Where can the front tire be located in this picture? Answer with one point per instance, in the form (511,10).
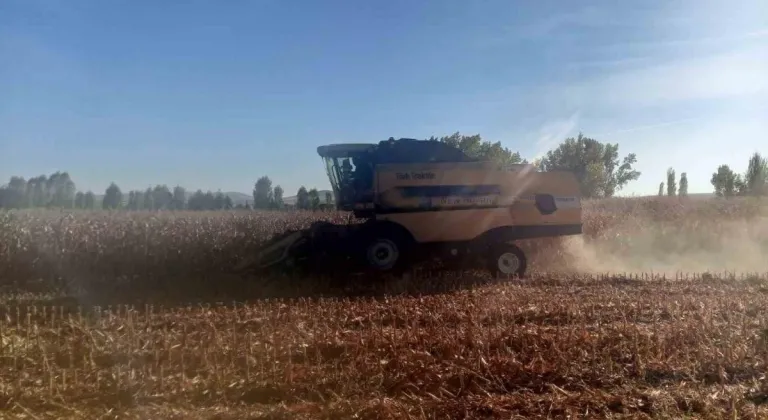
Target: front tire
(385,251)
(507,260)
(382,254)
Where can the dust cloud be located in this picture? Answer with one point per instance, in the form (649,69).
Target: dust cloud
(717,247)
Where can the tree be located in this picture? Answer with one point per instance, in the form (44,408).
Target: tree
(60,190)
(64,191)
(671,183)
(209,199)
(683,190)
(50,189)
(477,148)
(79,200)
(661,189)
(302,198)
(37,191)
(262,193)
(756,177)
(219,200)
(138,197)
(596,165)
(179,200)
(90,200)
(161,197)
(149,199)
(277,197)
(314,199)
(133,203)
(113,197)
(725,181)
(15,194)
(197,201)
(328,198)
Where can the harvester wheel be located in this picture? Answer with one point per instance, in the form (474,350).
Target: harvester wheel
(382,254)
(386,251)
(507,260)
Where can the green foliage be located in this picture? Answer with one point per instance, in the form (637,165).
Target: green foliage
(262,193)
(477,148)
(80,200)
(661,189)
(62,189)
(683,190)
(90,201)
(14,195)
(38,191)
(161,197)
(756,177)
(133,201)
(179,200)
(209,201)
(113,197)
(148,199)
(314,199)
(727,183)
(277,197)
(198,201)
(595,164)
(724,181)
(671,183)
(57,190)
(302,199)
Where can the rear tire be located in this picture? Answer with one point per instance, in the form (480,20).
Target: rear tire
(507,260)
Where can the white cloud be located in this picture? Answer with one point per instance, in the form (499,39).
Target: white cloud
(648,126)
(583,17)
(735,74)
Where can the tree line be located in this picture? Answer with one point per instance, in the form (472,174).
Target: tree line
(600,170)
(753,182)
(58,190)
(726,183)
(267,197)
(672,187)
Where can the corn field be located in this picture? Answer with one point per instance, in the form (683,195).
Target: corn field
(158,326)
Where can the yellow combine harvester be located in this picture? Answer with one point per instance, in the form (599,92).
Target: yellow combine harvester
(423,200)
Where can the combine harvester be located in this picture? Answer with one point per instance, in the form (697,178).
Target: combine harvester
(421,200)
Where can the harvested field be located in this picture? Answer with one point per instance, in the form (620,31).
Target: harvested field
(551,348)
(145,335)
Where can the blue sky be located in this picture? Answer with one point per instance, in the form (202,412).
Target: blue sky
(213,95)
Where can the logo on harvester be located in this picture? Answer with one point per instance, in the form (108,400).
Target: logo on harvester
(545,204)
(402,176)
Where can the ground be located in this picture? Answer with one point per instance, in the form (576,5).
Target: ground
(562,343)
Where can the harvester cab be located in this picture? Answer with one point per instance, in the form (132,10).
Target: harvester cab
(351,167)
(350,170)
(427,200)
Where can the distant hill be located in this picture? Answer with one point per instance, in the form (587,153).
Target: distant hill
(236,197)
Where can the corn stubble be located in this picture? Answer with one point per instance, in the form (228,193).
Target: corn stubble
(557,345)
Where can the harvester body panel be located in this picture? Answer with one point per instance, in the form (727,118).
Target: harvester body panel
(448,202)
